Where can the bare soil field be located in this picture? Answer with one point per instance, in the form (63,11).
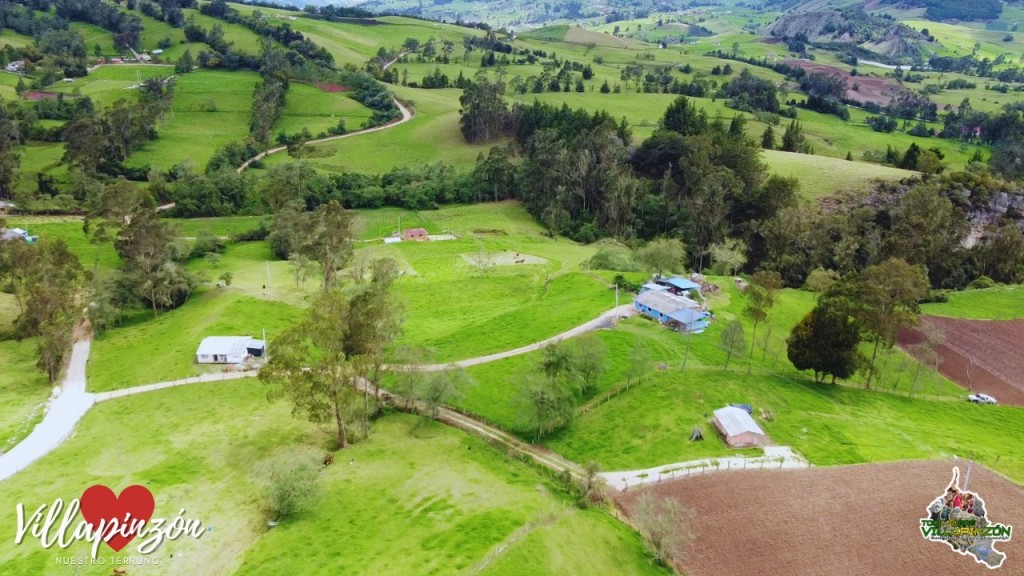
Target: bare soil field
(980,355)
(848,520)
(870,88)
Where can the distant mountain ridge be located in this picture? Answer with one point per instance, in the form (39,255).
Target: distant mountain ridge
(883,36)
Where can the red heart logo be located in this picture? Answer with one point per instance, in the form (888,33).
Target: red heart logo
(114,514)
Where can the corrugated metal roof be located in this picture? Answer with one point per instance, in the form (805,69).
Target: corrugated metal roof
(223,346)
(687,315)
(655,287)
(664,302)
(736,421)
(680,283)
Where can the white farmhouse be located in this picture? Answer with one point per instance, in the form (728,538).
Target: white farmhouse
(228,349)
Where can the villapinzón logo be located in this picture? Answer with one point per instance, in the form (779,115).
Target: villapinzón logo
(115,520)
(960,519)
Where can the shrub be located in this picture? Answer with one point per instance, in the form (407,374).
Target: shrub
(607,259)
(291,482)
(981,282)
(819,280)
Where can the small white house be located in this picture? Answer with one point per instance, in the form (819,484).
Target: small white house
(228,349)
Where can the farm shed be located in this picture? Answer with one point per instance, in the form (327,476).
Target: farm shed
(738,428)
(678,284)
(7,234)
(689,320)
(415,234)
(661,305)
(228,349)
(652,287)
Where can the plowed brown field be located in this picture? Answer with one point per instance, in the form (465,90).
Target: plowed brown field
(870,88)
(982,355)
(848,520)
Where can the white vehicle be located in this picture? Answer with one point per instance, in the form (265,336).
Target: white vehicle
(982,399)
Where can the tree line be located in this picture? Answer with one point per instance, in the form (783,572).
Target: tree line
(48,285)
(702,181)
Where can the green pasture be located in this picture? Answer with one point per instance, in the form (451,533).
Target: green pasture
(959,40)
(23,387)
(93,35)
(999,303)
(309,107)
(414,498)
(211,108)
(418,498)
(824,176)
(431,136)
(460,312)
(357,40)
(168,343)
(36,158)
(156,30)
(12,38)
(650,424)
(100,257)
(241,38)
(222,226)
(383,222)
(109,83)
(258,274)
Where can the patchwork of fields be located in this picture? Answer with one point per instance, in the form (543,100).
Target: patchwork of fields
(418,497)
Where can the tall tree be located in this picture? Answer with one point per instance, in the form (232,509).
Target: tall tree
(685,118)
(761,295)
(9,159)
(46,280)
(884,300)
(793,139)
(329,239)
(662,255)
(825,341)
(309,365)
(588,362)
(545,404)
(927,229)
(145,243)
(732,340)
(378,322)
(485,113)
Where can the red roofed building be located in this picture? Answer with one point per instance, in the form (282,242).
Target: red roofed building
(415,234)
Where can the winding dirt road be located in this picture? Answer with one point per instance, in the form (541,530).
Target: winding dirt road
(406,116)
(66,409)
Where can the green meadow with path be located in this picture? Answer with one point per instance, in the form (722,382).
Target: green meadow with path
(416,496)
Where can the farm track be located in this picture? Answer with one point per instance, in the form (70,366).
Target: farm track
(406,116)
(65,410)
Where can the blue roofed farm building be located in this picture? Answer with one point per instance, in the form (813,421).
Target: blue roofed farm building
(667,301)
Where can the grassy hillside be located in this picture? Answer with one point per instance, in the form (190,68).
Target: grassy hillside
(210,109)
(445,500)
(821,176)
(1001,303)
(23,388)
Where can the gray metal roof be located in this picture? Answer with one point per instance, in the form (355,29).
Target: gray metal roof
(223,346)
(736,421)
(664,302)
